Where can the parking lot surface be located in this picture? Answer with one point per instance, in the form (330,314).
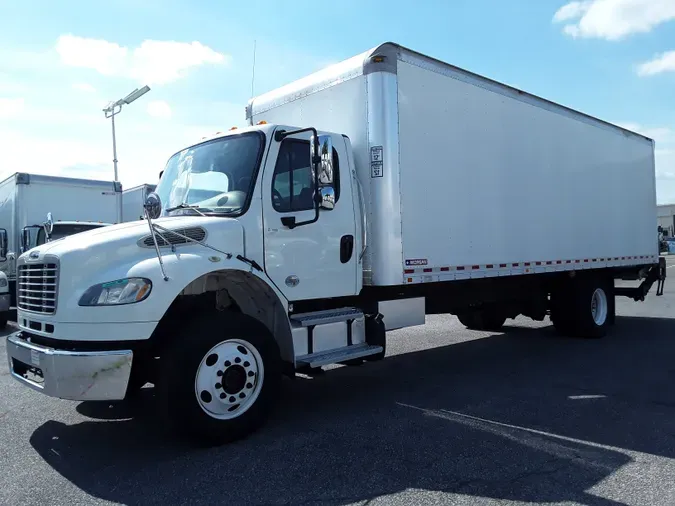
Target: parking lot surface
(451,416)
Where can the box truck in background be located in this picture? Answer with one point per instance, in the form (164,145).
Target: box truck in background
(27,199)
(133,200)
(356,202)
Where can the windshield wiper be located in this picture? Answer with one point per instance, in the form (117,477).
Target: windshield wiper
(193,207)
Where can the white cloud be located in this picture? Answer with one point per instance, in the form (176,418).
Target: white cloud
(107,58)
(613,19)
(153,62)
(571,11)
(664,62)
(10,107)
(159,109)
(86,87)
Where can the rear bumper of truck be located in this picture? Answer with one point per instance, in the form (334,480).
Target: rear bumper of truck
(73,375)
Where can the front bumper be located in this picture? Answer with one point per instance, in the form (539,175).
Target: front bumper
(74,375)
(5,300)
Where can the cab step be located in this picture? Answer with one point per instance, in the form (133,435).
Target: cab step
(337,355)
(328,316)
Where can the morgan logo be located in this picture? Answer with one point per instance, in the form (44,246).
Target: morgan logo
(417,261)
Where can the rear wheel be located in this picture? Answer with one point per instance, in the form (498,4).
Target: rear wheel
(583,308)
(220,379)
(483,319)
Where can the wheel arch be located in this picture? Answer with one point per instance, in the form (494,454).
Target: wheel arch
(234,290)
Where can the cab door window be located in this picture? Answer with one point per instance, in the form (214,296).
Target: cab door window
(293,183)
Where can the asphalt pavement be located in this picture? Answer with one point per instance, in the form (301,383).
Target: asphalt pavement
(451,416)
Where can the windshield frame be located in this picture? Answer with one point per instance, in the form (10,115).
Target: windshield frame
(262,146)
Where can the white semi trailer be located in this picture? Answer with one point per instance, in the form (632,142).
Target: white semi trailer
(359,199)
(26,200)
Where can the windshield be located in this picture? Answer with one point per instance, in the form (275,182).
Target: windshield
(61,231)
(214,177)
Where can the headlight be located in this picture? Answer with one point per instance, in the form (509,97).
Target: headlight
(3,282)
(121,291)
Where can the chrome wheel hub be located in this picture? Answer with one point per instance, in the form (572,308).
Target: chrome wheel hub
(229,379)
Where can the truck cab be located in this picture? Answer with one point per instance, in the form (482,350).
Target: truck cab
(250,233)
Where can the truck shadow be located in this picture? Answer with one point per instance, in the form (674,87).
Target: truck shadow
(524,415)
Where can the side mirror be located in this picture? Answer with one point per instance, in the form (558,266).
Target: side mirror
(49,225)
(25,239)
(326,154)
(153,206)
(3,244)
(323,158)
(327,198)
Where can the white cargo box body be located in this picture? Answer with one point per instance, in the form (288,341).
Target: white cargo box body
(468,178)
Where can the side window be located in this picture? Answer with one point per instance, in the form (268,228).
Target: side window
(293,183)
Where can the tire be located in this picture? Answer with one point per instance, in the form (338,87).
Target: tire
(584,308)
(195,400)
(482,319)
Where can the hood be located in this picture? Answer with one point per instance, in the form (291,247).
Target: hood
(129,234)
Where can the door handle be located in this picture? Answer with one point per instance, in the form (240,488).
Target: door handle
(346,248)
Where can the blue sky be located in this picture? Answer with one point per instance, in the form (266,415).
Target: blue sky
(61,62)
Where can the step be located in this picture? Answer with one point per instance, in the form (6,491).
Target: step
(338,355)
(327,316)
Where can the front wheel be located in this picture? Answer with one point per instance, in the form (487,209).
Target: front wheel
(220,379)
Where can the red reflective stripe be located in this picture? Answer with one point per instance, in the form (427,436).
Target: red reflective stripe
(427,270)
(515,265)
(537,263)
(489,266)
(409,271)
(502,265)
(460,268)
(474,267)
(445,269)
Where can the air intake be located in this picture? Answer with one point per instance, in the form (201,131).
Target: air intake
(173,239)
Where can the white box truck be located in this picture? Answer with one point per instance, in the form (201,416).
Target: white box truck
(26,201)
(359,199)
(133,200)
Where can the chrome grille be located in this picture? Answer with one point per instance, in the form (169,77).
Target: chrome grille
(37,287)
(195,233)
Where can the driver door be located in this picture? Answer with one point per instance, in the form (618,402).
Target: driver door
(317,260)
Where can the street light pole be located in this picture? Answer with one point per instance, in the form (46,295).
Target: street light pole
(110,111)
(112,118)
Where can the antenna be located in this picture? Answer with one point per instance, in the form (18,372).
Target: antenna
(253,73)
